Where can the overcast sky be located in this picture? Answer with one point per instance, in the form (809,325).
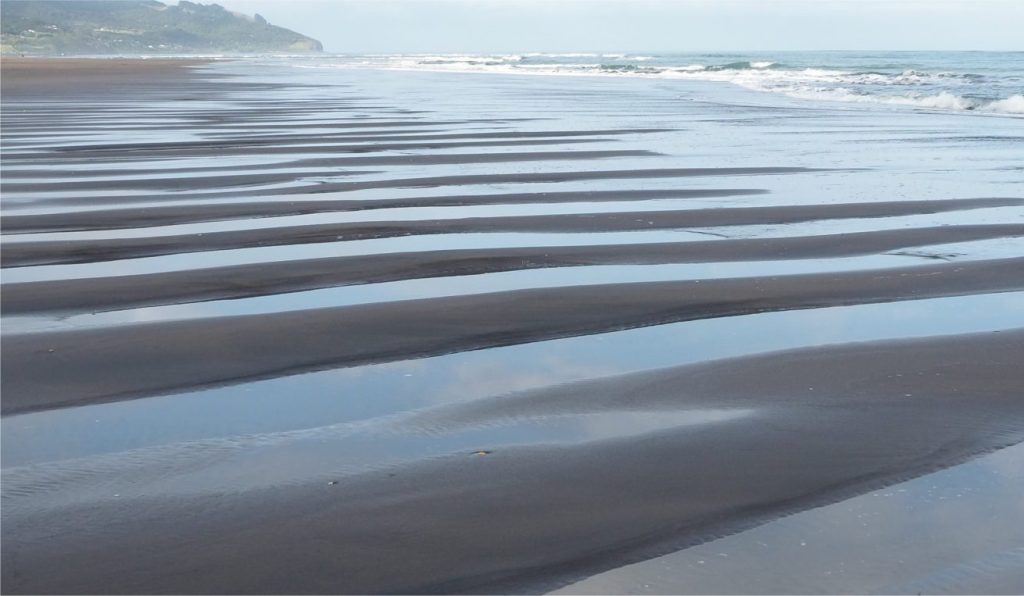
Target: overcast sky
(654,25)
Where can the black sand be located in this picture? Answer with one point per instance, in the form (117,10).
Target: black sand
(447,180)
(21,254)
(813,426)
(263,279)
(112,219)
(823,425)
(61,369)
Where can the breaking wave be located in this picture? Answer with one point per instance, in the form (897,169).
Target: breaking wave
(944,87)
(941,101)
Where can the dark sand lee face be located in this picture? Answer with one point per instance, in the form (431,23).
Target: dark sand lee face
(257,190)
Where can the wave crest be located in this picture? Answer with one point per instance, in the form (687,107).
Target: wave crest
(1011,105)
(941,88)
(744,65)
(940,101)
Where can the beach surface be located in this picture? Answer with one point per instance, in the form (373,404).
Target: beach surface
(275,328)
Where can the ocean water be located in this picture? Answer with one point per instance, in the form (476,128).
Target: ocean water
(983,82)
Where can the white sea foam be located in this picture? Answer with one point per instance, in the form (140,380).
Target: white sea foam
(688,68)
(941,101)
(1011,105)
(570,55)
(940,90)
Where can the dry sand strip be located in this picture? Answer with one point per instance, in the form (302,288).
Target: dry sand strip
(448,180)
(97,294)
(49,370)
(59,77)
(311,143)
(305,139)
(37,142)
(130,92)
(310,111)
(375,160)
(35,122)
(33,140)
(307,143)
(30,128)
(29,253)
(41,159)
(822,425)
(222,132)
(27,116)
(176,183)
(302,142)
(117,219)
(353,122)
(157,180)
(309,115)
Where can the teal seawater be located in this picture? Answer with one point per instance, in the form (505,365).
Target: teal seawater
(985,82)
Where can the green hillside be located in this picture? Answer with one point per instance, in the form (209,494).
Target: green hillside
(70,27)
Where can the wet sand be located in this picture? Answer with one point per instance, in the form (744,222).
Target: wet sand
(158,216)
(459,158)
(531,518)
(23,254)
(439,181)
(47,370)
(685,454)
(96,294)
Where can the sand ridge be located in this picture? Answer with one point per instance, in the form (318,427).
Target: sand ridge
(408,483)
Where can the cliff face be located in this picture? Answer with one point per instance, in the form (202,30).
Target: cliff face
(55,27)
